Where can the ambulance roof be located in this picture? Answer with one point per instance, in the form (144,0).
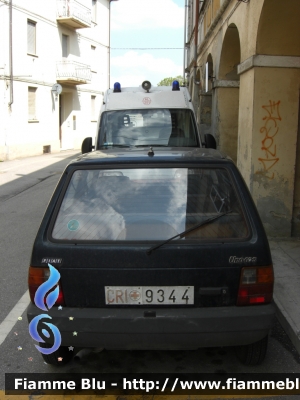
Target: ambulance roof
(157,97)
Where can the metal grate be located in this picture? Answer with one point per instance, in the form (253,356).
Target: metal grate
(46,149)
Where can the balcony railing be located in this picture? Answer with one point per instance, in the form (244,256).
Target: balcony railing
(73,14)
(73,72)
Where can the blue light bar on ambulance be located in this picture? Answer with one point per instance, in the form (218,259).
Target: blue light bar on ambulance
(117,87)
(175,85)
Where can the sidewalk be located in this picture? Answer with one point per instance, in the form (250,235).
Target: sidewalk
(20,174)
(286,261)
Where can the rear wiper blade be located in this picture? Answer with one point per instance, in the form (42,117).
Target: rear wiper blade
(182,234)
(151,145)
(114,145)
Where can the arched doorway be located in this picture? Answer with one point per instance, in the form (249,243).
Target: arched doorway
(209,73)
(227,93)
(197,92)
(278,30)
(191,87)
(205,98)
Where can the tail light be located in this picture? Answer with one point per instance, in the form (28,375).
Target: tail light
(36,277)
(256,286)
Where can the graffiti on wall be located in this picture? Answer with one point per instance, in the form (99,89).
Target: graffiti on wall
(269,129)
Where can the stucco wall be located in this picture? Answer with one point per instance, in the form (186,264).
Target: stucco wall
(274,146)
(245,129)
(20,137)
(228,108)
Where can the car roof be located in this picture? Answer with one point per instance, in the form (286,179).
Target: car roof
(140,156)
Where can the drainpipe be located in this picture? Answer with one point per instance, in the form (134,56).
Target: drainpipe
(184,42)
(196,42)
(109,44)
(108,66)
(10,56)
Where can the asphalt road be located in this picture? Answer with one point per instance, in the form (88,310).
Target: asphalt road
(26,186)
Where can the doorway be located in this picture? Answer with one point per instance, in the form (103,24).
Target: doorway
(66,135)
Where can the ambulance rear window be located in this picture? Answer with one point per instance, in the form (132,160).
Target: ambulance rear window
(148,127)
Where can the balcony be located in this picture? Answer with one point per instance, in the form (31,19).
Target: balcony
(73,14)
(73,73)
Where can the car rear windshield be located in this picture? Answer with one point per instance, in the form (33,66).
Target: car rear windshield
(149,204)
(145,127)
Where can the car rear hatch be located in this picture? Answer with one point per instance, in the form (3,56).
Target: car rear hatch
(106,220)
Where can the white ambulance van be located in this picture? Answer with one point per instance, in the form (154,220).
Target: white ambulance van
(147,116)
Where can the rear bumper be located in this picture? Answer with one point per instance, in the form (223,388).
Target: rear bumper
(158,328)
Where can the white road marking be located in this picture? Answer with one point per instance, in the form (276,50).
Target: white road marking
(12,318)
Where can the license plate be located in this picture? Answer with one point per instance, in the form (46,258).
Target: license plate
(143,295)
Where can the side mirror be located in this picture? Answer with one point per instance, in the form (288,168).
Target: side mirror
(210,141)
(87,145)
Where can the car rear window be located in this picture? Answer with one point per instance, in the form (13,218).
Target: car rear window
(149,204)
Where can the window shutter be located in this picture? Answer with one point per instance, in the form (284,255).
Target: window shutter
(31,103)
(93,107)
(94,10)
(31,39)
(93,58)
(65,45)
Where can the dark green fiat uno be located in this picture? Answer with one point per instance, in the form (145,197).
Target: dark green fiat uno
(156,249)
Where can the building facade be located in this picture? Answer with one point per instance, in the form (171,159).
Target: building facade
(242,65)
(54,61)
